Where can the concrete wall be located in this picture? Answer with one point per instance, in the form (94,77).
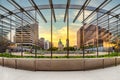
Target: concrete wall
(26,64)
(10,62)
(93,63)
(59,64)
(1,63)
(43,64)
(118,60)
(76,64)
(109,62)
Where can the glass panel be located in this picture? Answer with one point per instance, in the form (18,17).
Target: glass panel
(59,1)
(42,2)
(6,4)
(77,2)
(23,3)
(45,35)
(112,4)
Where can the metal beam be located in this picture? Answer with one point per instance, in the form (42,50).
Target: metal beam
(104,3)
(113,29)
(81,9)
(60,6)
(103,23)
(3,33)
(16,5)
(5,29)
(66,11)
(108,12)
(109,18)
(52,8)
(111,23)
(11,13)
(37,9)
(7,23)
(51,34)
(5,26)
(5,17)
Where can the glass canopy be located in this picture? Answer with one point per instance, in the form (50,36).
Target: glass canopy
(64,16)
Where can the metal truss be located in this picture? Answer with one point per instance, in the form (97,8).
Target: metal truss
(104,3)
(108,13)
(81,9)
(66,10)
(52,8)
(11,13)
(37,9)
(16,5)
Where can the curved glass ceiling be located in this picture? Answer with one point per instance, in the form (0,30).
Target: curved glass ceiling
(29,11)
(16,5)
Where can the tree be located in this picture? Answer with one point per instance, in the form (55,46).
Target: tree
(53,49)
(70,48)
(4,43)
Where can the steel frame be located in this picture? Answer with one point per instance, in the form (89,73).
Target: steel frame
(66,10)
(16,5)
(38,10)
(81,9)
(7,23)
(104,3)
(108,12)
(11,13)
(52,8)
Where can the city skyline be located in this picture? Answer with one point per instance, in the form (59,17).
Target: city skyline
(59,27)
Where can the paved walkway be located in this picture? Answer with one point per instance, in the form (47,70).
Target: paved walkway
(112,73)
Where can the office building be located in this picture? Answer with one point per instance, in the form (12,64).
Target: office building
(27,35)
(91,35)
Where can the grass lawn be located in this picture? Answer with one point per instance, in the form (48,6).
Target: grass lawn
(8,55)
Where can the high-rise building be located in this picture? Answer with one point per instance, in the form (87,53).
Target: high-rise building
(89,35)
(27,35)
(46,45)
(41,43)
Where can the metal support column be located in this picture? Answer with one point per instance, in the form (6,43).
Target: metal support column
(67,33)
(108,35)
(97,36)
(83,33)
(35,40)
(22,37)
(3,43)
(10,33)
(117,38)
(51,34)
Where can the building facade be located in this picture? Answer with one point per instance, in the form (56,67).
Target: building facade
(91,35)
(27,35)
(46,45)
(41,43)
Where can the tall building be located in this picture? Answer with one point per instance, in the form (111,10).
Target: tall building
(27,35)
(51,44)
(46,45)
(41,43)
(67,42)
(89,34)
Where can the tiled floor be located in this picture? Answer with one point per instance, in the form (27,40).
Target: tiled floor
(112,73)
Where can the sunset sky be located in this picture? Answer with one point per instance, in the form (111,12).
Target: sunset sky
(59,28)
